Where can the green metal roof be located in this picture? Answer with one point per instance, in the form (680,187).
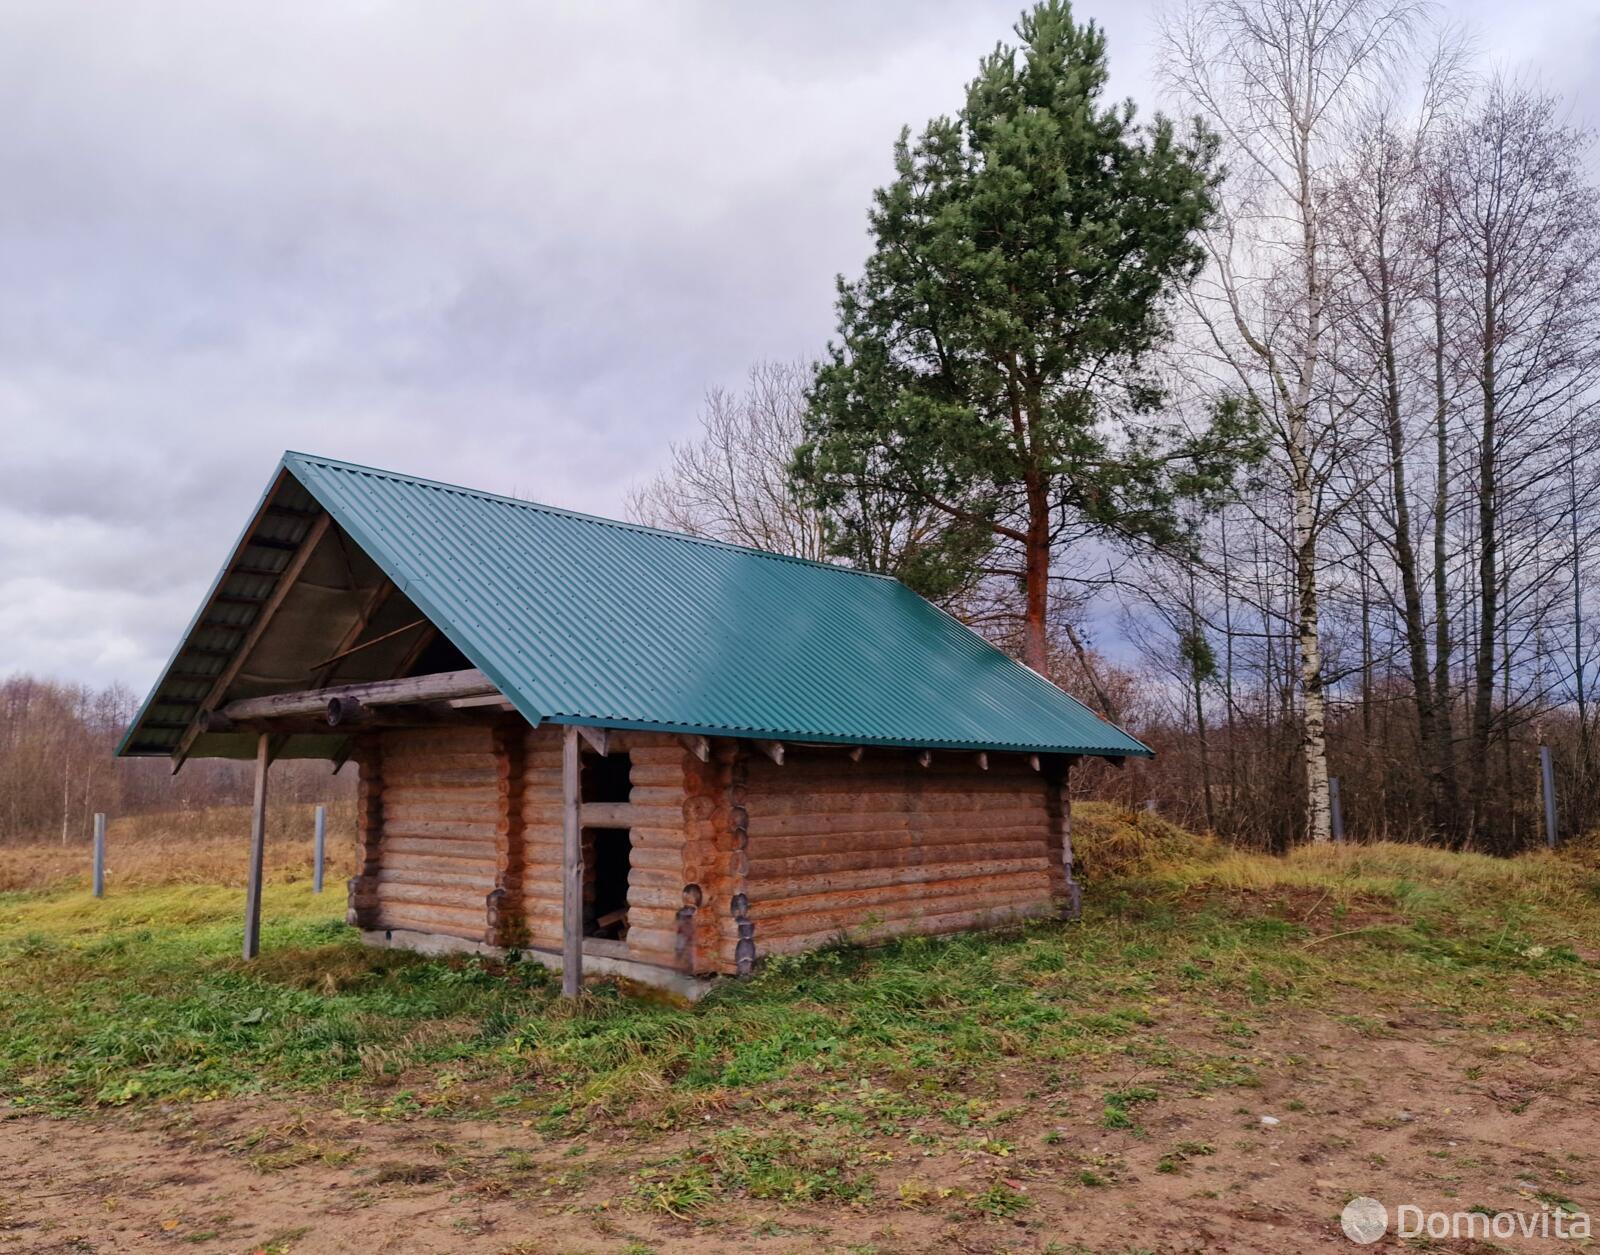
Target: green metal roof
(580,619)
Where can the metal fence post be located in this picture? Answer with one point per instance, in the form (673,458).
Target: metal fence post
(1547,776)
(99,855)
(321,848)
(1337,807)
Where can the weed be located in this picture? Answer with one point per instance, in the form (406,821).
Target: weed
(1000,1199)
(678,1193)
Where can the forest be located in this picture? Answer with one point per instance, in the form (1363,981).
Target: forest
(57,769)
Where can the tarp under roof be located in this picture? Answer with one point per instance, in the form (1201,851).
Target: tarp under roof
(587,620)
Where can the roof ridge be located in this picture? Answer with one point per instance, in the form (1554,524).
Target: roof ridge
(580,515)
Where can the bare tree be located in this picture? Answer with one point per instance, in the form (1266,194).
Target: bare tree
(732,482)
(1380,229)
(1277,78)
(1524,273)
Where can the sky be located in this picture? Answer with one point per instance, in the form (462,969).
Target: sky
(505,245)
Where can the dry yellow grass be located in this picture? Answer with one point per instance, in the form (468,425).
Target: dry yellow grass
(204,846)
(1110,841)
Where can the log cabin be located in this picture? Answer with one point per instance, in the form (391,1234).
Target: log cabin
(615,749)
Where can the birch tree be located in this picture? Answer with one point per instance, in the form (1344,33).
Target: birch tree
(1277,79)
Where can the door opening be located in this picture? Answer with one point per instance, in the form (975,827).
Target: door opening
(606,851)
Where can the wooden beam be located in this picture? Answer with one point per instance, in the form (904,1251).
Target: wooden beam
(258,850)
(618,815)
(489,701)
(697,745)
(772,749)
(356,649)
(925,757)
(571,867)
(856,751)
(215,721)
(440,686)
(599,739)
(409,715)
(258,626)
(983,761)
(374,602)
(1033,761)
(343,711)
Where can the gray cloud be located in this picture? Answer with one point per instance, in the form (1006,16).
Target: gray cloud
(505,245)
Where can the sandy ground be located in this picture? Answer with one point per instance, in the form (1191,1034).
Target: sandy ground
(1446,1118)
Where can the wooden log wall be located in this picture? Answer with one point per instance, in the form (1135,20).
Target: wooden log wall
(441,851)
(507,924)
(657,821)
(363,887)
(885,846)
(1064,885)
(541,837)
(460,834)
(713,868)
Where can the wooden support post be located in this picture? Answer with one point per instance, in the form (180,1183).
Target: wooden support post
(1547,779)
(99,855)
(319,849)
(571,867)
(258,850)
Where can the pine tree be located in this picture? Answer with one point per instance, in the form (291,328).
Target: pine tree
(993,360)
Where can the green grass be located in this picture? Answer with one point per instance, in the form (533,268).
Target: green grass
(141,996)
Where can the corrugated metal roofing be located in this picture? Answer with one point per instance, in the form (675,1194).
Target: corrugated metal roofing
(587,620)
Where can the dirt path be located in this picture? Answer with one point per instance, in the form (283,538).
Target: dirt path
(1441,1117)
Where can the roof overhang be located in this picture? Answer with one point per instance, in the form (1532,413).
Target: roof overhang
(344,575)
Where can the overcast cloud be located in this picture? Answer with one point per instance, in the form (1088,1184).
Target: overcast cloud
(504,245)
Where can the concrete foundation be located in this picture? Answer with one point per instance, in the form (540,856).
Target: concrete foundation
(595,962)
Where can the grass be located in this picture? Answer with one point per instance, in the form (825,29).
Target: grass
(203,846)
(797,1074)
(140,995)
